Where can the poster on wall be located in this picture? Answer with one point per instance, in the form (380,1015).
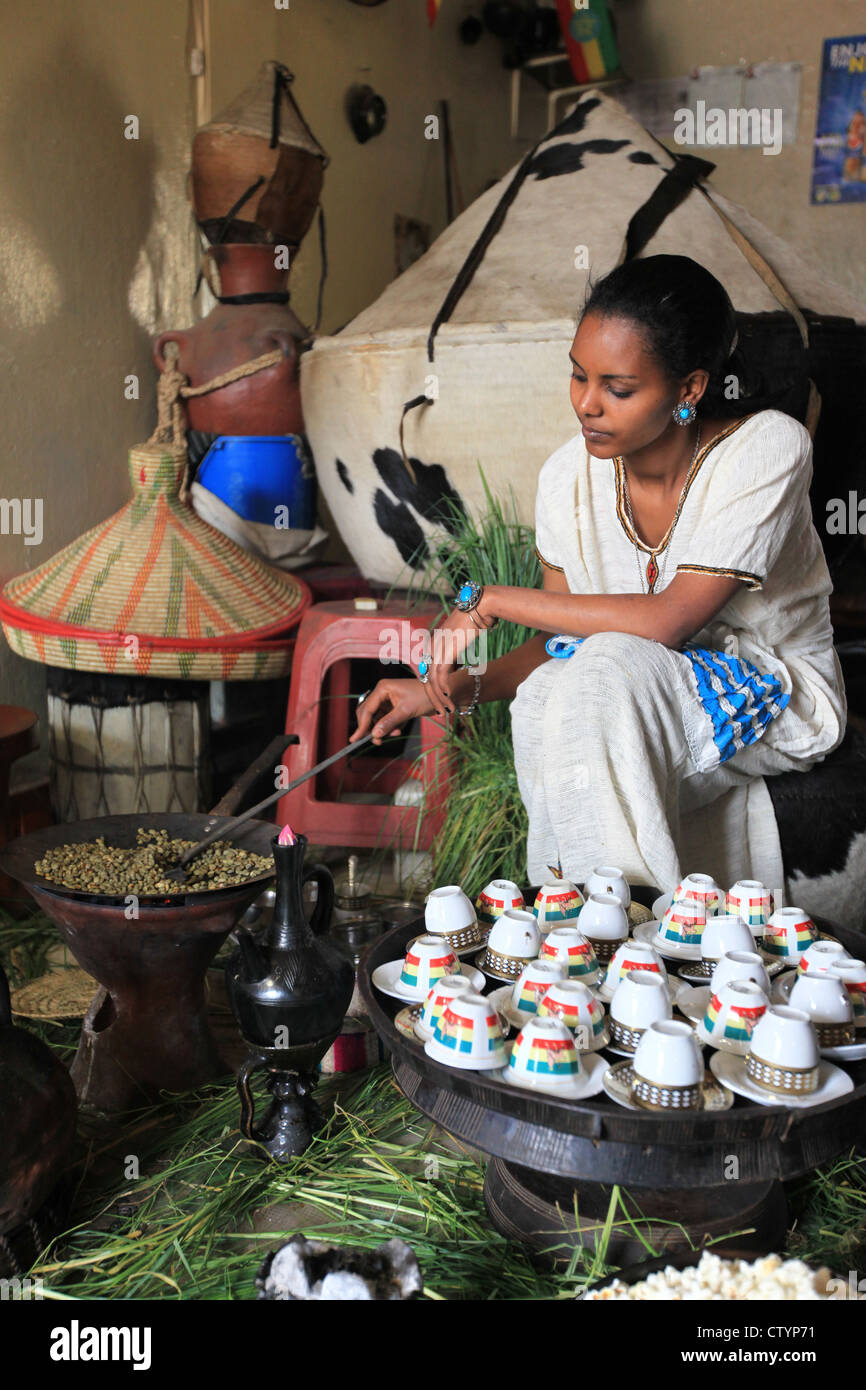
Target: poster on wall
(839,169)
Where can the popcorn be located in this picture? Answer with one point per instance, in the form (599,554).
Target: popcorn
(769,1278)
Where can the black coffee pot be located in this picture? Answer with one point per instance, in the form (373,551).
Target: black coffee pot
(289,989)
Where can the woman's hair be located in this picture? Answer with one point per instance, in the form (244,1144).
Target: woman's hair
(687,321)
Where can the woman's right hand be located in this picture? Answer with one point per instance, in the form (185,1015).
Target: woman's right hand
(390,705)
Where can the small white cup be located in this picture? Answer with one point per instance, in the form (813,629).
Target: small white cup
(783,1057)
(788,933)
(852,973)
(604,922)
(533,983)
(750,900)
(557,904)
(668,1067)
(607,879)
(493,900)
(733,1012)
(702,889)
(427,960)
(570,948)
(785,1038)
(633,955)
(577,1007)
(723,933)
(820,957)
(827,1002)
(545,1054)
(444,990)
(640,999)
(740,965)
(468,1034)
(514,939)
(449,913)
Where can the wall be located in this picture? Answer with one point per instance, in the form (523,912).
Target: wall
(84,276)
(667,38)
(98,251)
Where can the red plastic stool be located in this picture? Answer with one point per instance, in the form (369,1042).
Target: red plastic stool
(322,714)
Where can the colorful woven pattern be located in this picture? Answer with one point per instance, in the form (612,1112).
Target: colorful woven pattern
(155,591)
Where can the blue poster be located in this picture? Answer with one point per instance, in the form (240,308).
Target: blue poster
(839,170)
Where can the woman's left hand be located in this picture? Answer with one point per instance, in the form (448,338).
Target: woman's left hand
(448,642)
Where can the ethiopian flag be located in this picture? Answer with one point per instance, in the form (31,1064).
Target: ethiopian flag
(589,39)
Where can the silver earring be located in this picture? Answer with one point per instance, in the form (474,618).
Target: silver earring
(685,412)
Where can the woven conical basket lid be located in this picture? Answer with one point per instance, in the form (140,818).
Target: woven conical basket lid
(251,112)
(155,591)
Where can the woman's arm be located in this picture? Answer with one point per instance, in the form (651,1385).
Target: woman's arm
(670,617)
(392,703)
(688,603)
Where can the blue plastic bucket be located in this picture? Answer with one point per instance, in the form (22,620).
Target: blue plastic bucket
(255,474)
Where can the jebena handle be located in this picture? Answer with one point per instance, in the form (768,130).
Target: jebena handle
(253,1063)
(321,875)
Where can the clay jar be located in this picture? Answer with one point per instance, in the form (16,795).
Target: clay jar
(269,402)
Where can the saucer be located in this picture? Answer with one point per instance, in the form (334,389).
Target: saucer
(648,933)
(846,1052)
(406,1019)
(501,1001)
(617,1084)
(588,1083)
(731,1071)
(387,978)
(448,1058)
(693,1002)
(781,991)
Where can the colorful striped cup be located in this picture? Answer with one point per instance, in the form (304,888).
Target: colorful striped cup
(733,1012)
(788,933)
(557,904)
(427,960)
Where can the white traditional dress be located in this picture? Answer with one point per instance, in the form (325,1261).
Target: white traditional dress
(633,754)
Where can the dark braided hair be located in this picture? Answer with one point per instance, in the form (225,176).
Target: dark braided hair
(688,323)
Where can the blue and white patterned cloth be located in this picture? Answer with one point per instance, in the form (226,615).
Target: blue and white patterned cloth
(739,701)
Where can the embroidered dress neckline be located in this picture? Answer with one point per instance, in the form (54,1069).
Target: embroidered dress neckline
(619,476)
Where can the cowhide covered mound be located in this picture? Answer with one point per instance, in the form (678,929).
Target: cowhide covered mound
(505,317)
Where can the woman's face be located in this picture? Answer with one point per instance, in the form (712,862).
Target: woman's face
(620,395)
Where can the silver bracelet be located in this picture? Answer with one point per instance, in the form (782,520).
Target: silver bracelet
(470,709)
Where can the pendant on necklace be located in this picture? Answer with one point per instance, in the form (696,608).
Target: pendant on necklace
(652,572)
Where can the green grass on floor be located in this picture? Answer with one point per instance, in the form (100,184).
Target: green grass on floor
(205,1208)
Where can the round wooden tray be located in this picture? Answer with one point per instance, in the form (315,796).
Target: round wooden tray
(599,1141)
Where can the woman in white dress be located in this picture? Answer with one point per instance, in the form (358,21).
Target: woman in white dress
(689,591)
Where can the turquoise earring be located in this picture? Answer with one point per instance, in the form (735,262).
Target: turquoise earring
(685,412)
